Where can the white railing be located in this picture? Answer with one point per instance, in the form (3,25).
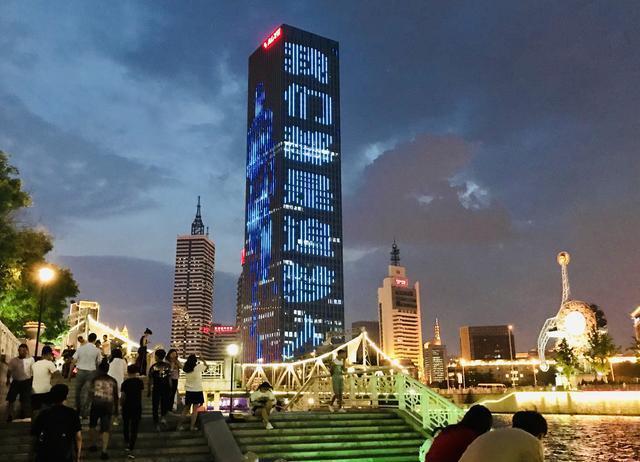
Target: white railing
(383,388)
(8,343)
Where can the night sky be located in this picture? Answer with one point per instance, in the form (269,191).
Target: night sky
(484,137)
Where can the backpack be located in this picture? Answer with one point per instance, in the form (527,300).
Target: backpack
(53,442)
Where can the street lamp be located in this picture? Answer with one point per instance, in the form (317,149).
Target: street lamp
(232,351)
(45,276)
(513,380)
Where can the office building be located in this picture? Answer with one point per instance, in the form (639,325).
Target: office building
(435,358)
(221,337)
(292,294)
(487,342)
(400,316)
(78,311)
(192,311)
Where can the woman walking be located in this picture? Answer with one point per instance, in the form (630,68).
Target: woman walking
(194,397)
(172,358)
(338,367)
(141,361)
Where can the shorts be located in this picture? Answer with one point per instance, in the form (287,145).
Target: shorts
(103,413)
(38,400)
(193,397)
(19,387)
(337,383)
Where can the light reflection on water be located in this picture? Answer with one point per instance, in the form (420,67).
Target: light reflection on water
(589,438)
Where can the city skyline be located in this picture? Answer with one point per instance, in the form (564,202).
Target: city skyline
(506,162)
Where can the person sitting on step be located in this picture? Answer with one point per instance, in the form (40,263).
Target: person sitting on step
(262,401)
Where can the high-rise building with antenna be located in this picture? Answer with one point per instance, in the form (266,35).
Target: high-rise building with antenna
(435,357)
(192,310)
(400,316)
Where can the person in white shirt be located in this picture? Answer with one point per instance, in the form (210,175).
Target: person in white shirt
(19,382)
(521,443)
(263,400)
(86,358)
(42,371)
(194,397)
(117,367)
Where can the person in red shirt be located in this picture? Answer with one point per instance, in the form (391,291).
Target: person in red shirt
(452,441)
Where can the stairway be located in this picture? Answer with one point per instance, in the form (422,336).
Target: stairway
(151,446)
(354,436)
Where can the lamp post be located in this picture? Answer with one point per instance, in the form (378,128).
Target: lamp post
(45,276)
(513,380)
(232,351)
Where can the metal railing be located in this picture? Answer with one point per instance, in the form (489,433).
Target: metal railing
(379,389)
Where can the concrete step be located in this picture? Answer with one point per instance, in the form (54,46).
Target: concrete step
(276,439)
(319,430)
(324,446)
(323,415)
(387,458)
(312,423)
(332,455)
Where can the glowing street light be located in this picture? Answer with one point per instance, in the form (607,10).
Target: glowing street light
(232,351)
(46,274)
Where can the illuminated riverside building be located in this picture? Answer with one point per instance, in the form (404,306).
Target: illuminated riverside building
(292,290)
(486,342)
(400,317)
(435,357)
(635,316)
(192,312)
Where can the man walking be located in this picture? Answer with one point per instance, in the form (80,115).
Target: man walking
(57,430)
(160,388)
(42,371)
(131,400)
(87,357)
(104,405)
(20,371)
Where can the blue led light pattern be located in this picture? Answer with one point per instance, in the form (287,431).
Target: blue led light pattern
(307,283)
(307,189)
(306,61)
(260,180)
(306,334)
(309,236)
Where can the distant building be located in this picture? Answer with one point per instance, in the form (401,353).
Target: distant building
(221,337)
(636,322)
(78,311)
(372,328)
(192,310)
(400,318)
(435,358)
(486,342)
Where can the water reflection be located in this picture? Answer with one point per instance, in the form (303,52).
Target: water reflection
(589,438)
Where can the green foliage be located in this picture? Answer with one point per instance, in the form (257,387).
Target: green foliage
(22,251)
(601,319)
(635,348)
(601,347)
(567,362)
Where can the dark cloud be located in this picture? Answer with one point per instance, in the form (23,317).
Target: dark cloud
(139,292)
(69,176)
(409,192)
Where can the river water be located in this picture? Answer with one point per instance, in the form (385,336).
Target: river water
(589,438)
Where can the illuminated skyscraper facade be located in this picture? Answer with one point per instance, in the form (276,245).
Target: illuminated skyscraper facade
(192,310)
(292,291)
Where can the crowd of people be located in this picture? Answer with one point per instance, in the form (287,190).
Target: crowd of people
(105,386)
(471,439)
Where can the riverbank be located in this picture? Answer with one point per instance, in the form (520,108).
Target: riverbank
(624,403)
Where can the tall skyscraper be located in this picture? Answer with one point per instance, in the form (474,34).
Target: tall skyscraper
(400,317)
(192,313)
(487,342)
(435,357)
(293,277)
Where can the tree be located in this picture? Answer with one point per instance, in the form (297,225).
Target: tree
(601,348)
(22,251)
(635,348)
(567,362)
(601,319)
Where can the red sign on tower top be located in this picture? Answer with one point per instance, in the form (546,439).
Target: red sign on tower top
(272,38)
